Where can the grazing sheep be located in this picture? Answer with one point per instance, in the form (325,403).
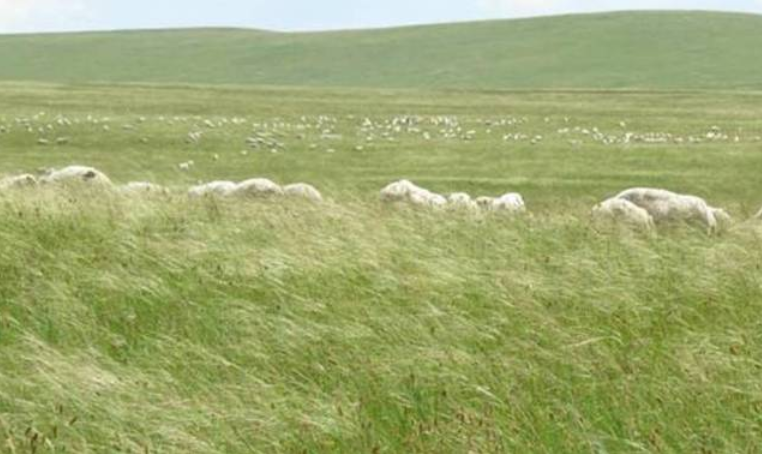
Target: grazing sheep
(665,206)
(722,217)
(18,181)
(137,187)
(76,174)
(405,191)
(461,200)
(214,188)
(257,187)
(511,202)
(398,191)
(615,209)
(303,190)
(426,198)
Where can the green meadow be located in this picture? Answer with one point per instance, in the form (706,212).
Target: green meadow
(162,323)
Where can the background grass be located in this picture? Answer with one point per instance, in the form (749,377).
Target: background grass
(320,131)
(163,324)
(666,50)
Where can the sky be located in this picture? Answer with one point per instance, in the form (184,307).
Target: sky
(294,15)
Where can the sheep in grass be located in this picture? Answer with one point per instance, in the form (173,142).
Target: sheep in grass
(399,191)
(461,201)
(75,175)
(426,198)
(304,191)
(511,202)
(407,192)
(667,206)
(257,188)
(722,217)
(18,181)
(624,211)
(214,188)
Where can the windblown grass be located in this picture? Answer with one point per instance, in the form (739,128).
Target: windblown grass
(162,324)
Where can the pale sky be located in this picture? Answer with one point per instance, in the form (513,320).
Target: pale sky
(293,15)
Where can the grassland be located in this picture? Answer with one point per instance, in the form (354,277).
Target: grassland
(570,169)
(162,324)
(650,50)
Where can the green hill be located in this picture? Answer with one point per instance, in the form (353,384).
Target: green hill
(660,50)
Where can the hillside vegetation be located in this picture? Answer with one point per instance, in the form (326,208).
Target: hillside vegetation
(654,50)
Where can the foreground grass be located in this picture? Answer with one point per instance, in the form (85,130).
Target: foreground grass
(169,325)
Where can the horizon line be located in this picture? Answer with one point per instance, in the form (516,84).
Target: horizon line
(212,27)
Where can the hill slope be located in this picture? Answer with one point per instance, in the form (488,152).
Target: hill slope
(612,50)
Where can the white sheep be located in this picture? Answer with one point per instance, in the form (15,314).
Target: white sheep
(398,191)
(461,200)
(405,191)
(257,187)
(214,188)
(615,209)
(511,202)
(18,181)
(76,174)
(722,217)
(666,206)
(303,190)
(426,198)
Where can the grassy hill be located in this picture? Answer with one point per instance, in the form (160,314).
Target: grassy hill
(661,50)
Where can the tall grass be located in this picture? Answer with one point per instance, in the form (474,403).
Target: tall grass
(162,324)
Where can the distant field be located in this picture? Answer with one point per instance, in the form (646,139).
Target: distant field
(148,128)
(163,324)
(667,50)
